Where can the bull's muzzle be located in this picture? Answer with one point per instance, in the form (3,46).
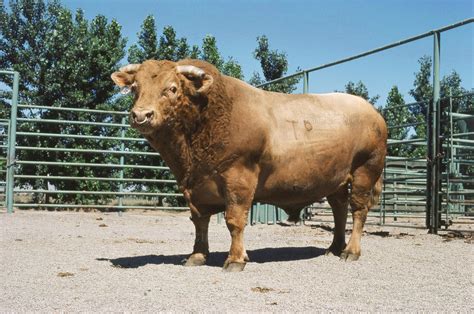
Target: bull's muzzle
(140,117)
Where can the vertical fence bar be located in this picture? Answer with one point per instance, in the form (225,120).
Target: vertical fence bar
(436,117)
(383,196)
(305,82)
(122,161)
(12,144)
(429,147)
(449,169)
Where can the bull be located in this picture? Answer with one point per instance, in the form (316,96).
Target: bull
(230,144)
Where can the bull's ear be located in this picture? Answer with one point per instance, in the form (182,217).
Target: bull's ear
(126,75)
(193,73)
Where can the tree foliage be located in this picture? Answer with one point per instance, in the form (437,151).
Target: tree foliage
(397,115)
(359,89)
(422,92)
(274,65)
(211,54)
(64,60)
(170,47)
(167,47)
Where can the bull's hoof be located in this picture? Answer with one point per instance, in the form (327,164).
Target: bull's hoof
(233,267)
(197,259)
(330,252)
(349,257)
(335,250)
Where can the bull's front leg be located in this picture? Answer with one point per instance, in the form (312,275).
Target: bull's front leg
(240,184)
(201,244)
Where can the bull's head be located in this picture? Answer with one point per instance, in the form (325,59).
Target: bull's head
(161,89)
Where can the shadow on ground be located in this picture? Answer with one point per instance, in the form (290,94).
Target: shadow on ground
(216,259)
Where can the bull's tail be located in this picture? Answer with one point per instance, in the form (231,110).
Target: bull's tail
(376,191)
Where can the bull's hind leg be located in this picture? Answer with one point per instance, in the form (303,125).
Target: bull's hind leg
(201,244)
(339,202)
(240,186)
(364,191)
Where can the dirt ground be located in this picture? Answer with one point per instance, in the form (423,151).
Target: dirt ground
(65,261)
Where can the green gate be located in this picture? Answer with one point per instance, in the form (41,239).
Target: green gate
(458,160)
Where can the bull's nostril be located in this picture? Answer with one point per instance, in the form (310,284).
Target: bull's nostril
(149,114)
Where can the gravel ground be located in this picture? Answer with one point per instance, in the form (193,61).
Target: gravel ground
(63,261)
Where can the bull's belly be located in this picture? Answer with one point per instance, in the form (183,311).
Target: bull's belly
(301,179)
(289,192)
(291,181)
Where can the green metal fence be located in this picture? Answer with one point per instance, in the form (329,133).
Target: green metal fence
(123,192)
(20,134)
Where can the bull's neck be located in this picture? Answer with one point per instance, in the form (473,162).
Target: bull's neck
(193,153)
(175,152)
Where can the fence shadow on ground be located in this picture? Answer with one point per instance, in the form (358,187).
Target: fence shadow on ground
(216,259)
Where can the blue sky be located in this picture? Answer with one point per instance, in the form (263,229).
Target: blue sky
(313,33)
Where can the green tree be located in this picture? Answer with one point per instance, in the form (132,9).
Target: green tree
(396,114)
(170,47)
(147,47)
(167,47)
(450,86)
(422,92)
(233,68)
(211,54)
(274,65)
(359,89)
(64,61)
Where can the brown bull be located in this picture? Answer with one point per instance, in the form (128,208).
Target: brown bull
(230,144)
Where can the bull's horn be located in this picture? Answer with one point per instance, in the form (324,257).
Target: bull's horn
(130,68)
(190,69)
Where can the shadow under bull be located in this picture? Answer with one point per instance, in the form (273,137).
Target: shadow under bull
(216,259)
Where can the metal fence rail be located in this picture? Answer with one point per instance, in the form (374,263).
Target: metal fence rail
(18,169)
(120,196)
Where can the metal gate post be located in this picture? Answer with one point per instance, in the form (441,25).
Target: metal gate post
(12,144)
(429,165)
(305,82)
(435,159)
(122,162)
